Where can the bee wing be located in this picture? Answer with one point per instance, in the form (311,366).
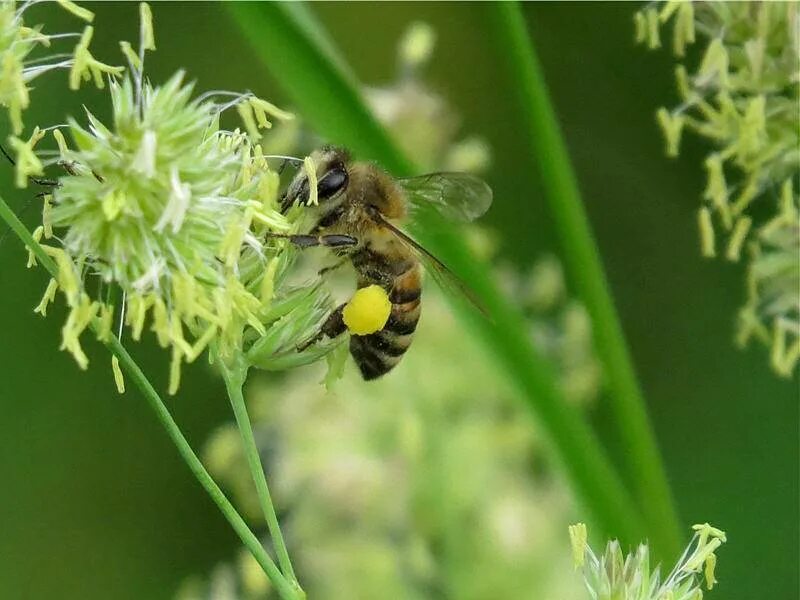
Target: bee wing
(456,196)
(442,275)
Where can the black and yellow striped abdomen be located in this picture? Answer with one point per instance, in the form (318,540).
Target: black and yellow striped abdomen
(376,354)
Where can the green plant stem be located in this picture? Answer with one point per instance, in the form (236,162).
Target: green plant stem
(132,370)
(235,376)
(643,469)
(319,83)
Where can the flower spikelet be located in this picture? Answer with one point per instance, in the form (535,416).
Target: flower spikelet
(743,96)
(614,575)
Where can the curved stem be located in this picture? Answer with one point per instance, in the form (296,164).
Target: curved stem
(643,469)
(234,376)
(284,587)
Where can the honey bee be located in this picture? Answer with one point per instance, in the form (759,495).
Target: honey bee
(357,205)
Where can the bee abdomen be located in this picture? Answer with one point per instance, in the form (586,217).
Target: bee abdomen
(378,353)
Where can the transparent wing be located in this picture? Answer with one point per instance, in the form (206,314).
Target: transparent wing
(442,275)
(456,196)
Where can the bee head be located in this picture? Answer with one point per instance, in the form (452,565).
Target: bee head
(332,178)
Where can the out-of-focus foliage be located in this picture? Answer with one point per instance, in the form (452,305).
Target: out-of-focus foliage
(422,121)
(744,98)
(432,484)
(560,327)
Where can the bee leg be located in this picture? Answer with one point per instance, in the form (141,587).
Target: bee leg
(324,271)
(38,181)
(311,241)
(332,327)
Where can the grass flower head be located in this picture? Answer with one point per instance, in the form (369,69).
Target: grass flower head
(165,216)
(614,575)
(744,98)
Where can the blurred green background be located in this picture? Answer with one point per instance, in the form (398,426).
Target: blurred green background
(95,502)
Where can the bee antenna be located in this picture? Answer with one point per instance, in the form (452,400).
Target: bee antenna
(293,159)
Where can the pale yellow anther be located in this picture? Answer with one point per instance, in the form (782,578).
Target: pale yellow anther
(105,322)
(146,24)
(37,236)
(740,231)
(577,537)
(672,127)
(311,173)
(175,371)
(707,235)
(683,30)
(47,298)
(119,378)
(245,110)
(78,11)
(262,109)
(85,66)
(129,53)
(653,39)
(710,565)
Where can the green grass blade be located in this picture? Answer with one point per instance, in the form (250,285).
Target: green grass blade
(643,469)
(321,85)
(327,94)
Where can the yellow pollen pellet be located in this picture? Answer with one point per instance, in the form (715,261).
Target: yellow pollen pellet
(367,311)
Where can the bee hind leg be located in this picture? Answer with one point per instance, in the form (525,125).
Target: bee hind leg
(332,327)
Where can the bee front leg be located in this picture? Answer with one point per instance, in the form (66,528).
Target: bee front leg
(332,327)
(311,241)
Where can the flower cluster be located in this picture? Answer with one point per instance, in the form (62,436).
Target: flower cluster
(164,217)
(616,576)
(18,66)
(743,97)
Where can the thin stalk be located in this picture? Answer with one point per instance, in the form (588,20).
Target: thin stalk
(326,92)
(234,376)
(643,469)
(284,587)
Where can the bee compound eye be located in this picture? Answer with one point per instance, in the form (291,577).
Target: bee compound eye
(332,182)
